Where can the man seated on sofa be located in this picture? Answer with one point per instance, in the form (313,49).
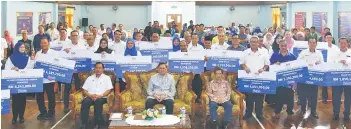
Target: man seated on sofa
(219,92)
(95,90)
(161,89)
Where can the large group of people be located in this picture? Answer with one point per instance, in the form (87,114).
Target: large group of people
(260,48)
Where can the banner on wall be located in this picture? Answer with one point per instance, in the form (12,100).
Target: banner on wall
(344,27)
(320,21)
(62,17)
(300,19)
(24,22)
(22,81)
(45,18)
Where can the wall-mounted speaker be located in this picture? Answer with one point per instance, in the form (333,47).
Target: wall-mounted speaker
(84,21)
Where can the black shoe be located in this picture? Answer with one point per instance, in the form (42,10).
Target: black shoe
(259,117)
(247,116)
(336,117)
(315,115)
(14,121)
(66,110)
(324,101)
(49,116)
(41,116)
(83,126)
(21,120)
(213,125)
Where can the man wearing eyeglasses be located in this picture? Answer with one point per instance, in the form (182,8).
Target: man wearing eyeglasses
(236,44)
(69,47)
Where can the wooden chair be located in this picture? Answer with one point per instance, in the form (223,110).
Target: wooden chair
(77,96)
(236,97)
(137,83)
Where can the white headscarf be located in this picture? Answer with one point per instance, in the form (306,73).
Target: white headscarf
(268,42)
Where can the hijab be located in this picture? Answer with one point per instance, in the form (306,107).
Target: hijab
(18,58)
(290,41)
(110,36)
(266,42)
(106,49)
(130,51)
(257,30)
(176,48)
(275,45)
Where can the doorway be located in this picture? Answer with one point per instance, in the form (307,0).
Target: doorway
(177,18)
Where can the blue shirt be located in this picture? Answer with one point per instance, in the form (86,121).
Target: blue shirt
(278,57)
(36,40)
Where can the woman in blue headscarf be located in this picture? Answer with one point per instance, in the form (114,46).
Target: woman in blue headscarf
(135,33)
(18,60)
(131,49)
(110,34)
(176,44)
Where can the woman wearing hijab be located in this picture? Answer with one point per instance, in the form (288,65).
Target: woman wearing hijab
(10,43)
(18,60)
(110,32)
(131,49)
(268,41)
(289,40)
(103,47)
(176,44)
(275,45)
(185,28)
(257,30)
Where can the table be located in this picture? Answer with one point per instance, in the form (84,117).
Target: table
(121,124)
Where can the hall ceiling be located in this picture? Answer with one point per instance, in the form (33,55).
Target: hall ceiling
(150,2)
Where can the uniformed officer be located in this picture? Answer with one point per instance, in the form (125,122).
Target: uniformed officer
(313,57)
(285,95)
(254,61)
(341,57)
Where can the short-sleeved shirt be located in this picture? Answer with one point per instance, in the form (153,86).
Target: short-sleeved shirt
(37,38)
(254,60)
(339,56)
(278,57)
(98,85)
(40,54)
(311,57)
(218,46)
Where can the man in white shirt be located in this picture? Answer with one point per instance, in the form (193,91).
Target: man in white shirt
(309,92)
(53,32)
(113,27)
(332,49)
(118,46)
(221,45)
(74,45)
(80,32)
(194,46)
(187,37)
(83,41)
(120,28)
(341,56)
(95,89)
(90,45)
(69,30)
(48,84)
(183,46)
(59,43)
(102,30)
(96,36)
(3,52)
(254,61)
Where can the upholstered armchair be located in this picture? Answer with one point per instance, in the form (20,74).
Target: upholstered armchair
(137,83)
(236,97)
(77,96)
